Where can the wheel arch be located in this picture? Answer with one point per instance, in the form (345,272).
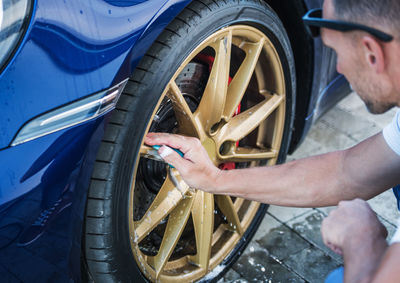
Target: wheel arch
(290,13)
(169,10)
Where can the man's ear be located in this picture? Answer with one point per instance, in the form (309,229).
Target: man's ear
(373,53)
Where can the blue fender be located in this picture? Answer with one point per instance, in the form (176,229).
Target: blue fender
(72,49)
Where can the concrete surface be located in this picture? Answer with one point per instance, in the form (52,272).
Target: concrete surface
(288,245)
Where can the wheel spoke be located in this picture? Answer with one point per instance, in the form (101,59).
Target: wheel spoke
(186,121)
(203,220)
(226,206)
(211,107)
(243,154)
(241,80)
(244,123)
(238,203)
(167,198)
(176,223)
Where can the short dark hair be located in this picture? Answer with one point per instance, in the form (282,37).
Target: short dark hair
(385,12)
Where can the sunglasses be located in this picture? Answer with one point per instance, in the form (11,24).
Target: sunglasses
(314,22)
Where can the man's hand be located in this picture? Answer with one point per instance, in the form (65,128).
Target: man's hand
(354,231)
(196,168)
(353,222)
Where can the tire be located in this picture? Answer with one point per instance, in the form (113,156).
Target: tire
(125,184)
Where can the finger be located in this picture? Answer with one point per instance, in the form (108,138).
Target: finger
(323,232)
(170,140)
(150,138)
(335,249)
(172,157)
(338,251)
(180,142)
(330,246)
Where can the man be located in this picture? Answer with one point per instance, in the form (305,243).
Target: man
(369,58)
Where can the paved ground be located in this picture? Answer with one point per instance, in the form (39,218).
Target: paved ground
(288,246)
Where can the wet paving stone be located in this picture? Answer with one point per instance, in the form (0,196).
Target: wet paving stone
(258,266)
(385,205)
(311,264)
(329,137)
(231,276)
(285,214)
(309,227)
(347,122)
(266,225)
(281,242)
(240,280)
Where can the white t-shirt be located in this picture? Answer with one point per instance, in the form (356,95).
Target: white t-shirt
(391,133)
(396,237)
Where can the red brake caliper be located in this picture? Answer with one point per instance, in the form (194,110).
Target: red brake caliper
(209,60)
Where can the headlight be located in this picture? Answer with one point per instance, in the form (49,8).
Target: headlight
(14,19)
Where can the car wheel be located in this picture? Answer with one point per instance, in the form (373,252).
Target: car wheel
(222,72)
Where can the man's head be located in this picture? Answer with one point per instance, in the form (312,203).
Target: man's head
(371,66)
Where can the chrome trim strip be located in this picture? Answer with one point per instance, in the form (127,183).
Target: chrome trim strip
(78,112)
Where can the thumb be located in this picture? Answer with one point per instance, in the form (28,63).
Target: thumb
(172,157)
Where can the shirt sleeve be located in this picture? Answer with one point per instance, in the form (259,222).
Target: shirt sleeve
(391,133)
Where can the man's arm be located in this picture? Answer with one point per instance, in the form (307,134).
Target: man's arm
(363,171)
(388,270)
(354,231)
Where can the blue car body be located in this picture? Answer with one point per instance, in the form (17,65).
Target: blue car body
(73,49)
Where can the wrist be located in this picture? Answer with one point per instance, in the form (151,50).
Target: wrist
(362,258)
(219,180)
(368,240)
(366,245)
(366,235)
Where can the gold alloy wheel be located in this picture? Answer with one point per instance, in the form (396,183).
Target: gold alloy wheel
(251,137)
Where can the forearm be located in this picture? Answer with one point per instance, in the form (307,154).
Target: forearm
(359,172)
(312,182)
(308,182)
(388,270)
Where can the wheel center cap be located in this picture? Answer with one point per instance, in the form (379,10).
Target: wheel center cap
(210,147)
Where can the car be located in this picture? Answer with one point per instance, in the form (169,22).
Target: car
(82,83)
